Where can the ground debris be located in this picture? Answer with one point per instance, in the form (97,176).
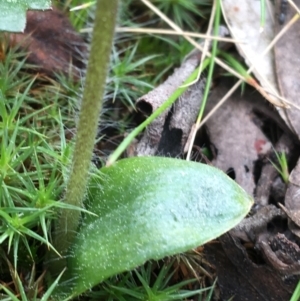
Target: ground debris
(167,134)
(261,251)
(238,141)
(242,279)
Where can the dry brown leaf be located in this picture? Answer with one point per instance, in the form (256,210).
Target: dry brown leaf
(238,141)
(52,42)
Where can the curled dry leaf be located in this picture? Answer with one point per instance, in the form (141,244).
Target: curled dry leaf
(167,134)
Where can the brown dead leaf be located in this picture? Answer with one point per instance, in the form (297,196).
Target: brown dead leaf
(237,139)
(52,42)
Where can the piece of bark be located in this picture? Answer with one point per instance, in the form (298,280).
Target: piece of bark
(53,44)
(278,190)
(185,110)
(167,134)
(252,227)
(239,277)
(282,254)
(182,117)
(239,142)
(288,250)
(263,188)
(292,200)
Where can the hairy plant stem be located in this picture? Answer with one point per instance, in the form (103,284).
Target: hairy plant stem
(105,20)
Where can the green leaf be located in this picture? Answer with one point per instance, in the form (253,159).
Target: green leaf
(13,13)
(149,208)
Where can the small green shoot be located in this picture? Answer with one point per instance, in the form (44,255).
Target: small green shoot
(79,12)
(296,294)
(282,168)
(211,66)
(235,64)
(262,15)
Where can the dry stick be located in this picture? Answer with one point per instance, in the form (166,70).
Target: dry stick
(196,45)
(193,42)
(172,32)
(205,50)
(229,93)
(270,46)
(292,3)
(206,43)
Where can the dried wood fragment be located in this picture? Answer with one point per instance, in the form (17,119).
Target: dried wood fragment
(167,134)
(241,279)
(292,200)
